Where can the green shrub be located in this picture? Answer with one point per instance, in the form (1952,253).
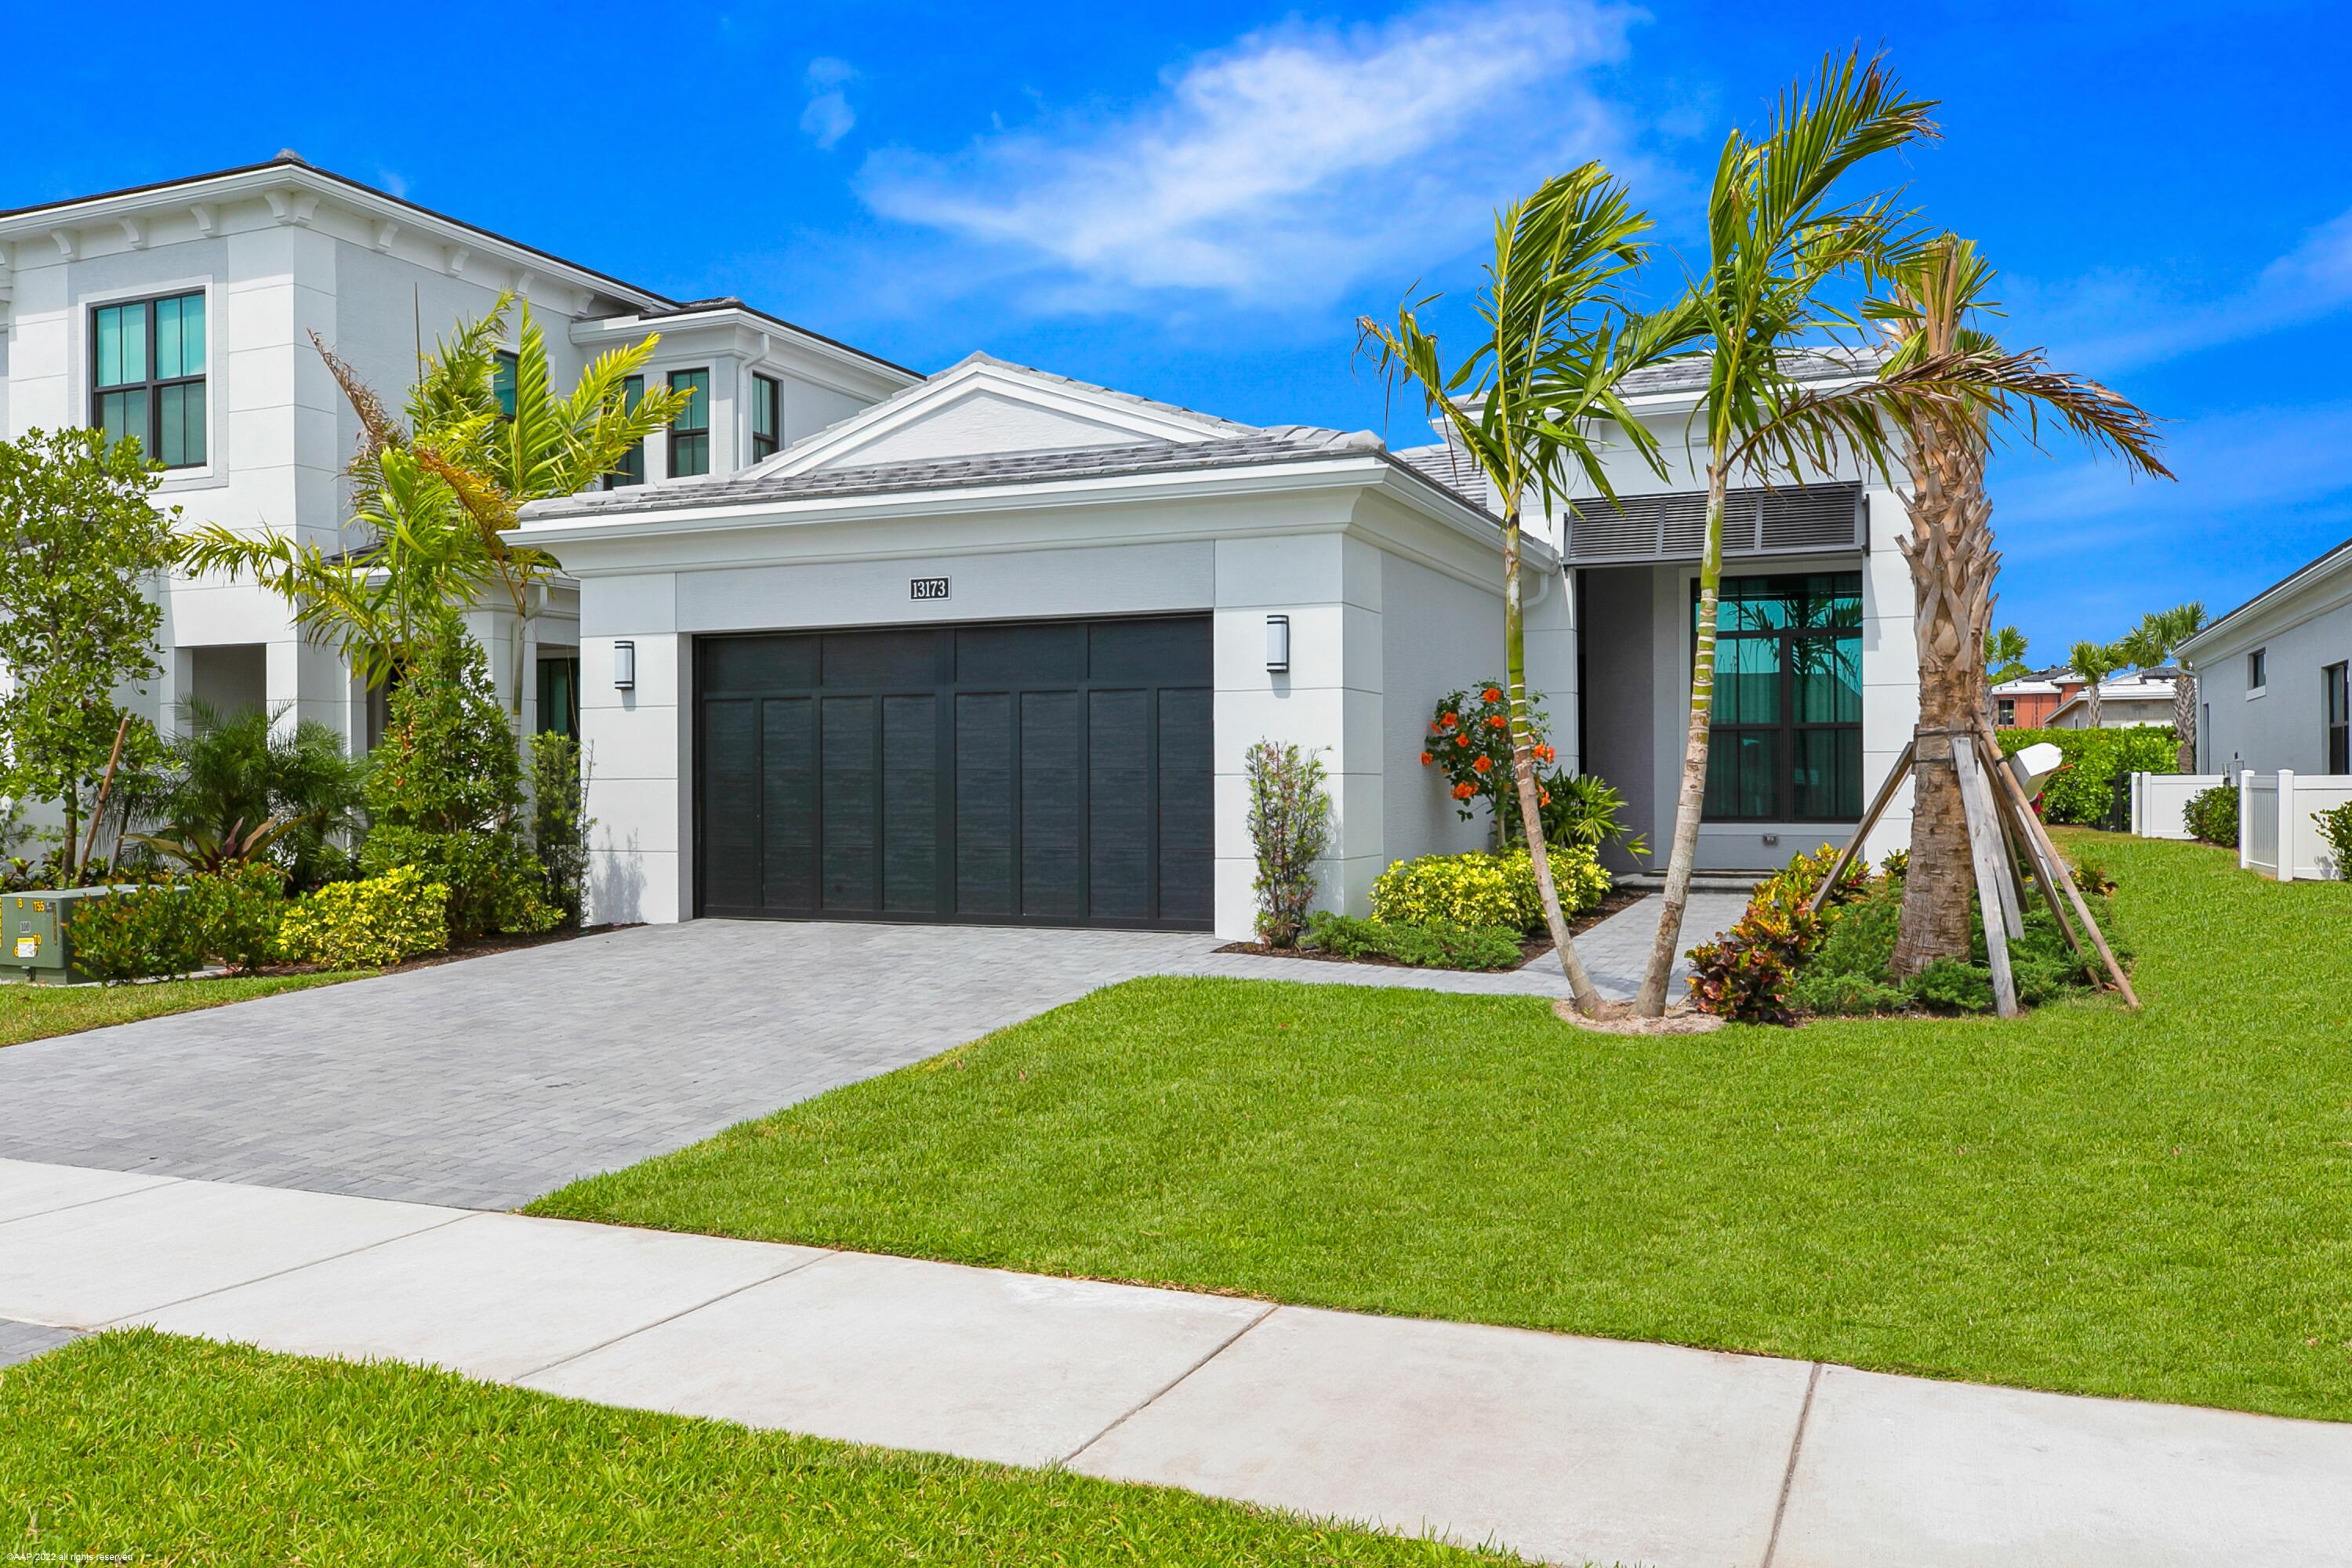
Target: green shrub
(1745,974)
(238,912)
(233,775)
(559,820)
(1858,938)
(444,794)
(1820,991)
(368,924)
(2083,790)
(137,933)
(2212,814)
(1482,890)
(1440,944)
(2336,826)
(1585,808)
(1289,830)
(1948,985)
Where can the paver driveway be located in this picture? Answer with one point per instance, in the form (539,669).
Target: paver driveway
(485,1083)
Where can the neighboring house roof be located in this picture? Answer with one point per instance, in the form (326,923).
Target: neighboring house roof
(103,205)
(1689,373)
(2138,687)
(2322,572)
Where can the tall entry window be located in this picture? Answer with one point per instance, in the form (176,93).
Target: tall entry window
(1786,742)
(147,360)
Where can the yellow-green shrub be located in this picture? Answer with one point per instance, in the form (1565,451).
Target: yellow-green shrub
(368,924)
(1482,890)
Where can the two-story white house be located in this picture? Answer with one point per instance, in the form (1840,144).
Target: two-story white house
(183,312)
(986,645)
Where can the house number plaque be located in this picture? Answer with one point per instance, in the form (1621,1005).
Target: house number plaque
(927,587)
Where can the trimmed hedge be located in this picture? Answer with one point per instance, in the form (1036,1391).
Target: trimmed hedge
(368,924)
(2083,790)
(1480,891)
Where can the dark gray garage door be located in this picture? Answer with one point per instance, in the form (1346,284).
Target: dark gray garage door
(1043,774)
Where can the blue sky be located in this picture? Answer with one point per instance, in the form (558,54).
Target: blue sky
(1194,202)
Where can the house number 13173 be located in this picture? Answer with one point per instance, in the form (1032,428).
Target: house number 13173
(927,588)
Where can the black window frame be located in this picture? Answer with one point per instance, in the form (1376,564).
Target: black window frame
(632,471)
(691,438)
(2005,712)
(151,440)
(767,442)
(1786,725)
(2335,716)
(559,677)
(2258,670)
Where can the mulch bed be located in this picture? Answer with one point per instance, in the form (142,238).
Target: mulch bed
(1530,949)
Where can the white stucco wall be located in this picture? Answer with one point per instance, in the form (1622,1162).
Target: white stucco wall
(2279,724)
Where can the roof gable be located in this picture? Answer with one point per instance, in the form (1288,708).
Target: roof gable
(984,408)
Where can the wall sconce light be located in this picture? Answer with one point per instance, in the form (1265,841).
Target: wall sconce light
(1277,644)
(625,666)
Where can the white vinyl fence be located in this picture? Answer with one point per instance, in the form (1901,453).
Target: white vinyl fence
(2275,834)
(2159,802)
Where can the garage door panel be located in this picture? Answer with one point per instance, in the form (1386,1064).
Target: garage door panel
(787,860)
(850,813)
(731,802)
(1052,804)
(983,804)
(1118,805)
(1055,772)
(1188,815)
(910,804)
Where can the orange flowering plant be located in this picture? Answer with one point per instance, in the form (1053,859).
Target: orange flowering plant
(1469,744)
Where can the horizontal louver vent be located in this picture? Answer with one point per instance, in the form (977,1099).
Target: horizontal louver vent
(1673,526)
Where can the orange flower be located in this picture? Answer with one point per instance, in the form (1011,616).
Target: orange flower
(1499,722)
(1425,759)
(1482,764)
(1448,720)
(1464,792)
(1543,797)
(1461,740)
(1546,752)
(1491,695)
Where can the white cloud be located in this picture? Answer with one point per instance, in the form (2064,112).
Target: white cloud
(828,117)
(1288,165)
(2115,321)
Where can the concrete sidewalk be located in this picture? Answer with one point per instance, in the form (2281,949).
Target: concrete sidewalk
(1564,1448)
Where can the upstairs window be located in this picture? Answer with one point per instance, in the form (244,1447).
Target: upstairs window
(503,374)
(1787,738)
(767,417)
(632,471)
(2006,707)
(2257,671)
(147,382)
(689,433)
(2336,706)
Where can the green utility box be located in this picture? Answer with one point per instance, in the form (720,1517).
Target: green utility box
(36,933)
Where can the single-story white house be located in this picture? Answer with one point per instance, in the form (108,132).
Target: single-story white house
(992,650)
(2272,677)
(2127,701)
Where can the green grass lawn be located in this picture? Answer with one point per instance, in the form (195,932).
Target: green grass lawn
(36,1012)
(177,1451)
(2155,1205)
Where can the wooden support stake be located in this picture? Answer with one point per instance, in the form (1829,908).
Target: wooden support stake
(1894,777)
(98,807)
(2040,833)
(2044,874)
(1984,852)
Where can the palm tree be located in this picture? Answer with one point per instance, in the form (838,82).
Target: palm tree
(1778,234)
(1931,309)
(2148,646)
(1523,402)
(2093,661)
(431,499)
(2004,656)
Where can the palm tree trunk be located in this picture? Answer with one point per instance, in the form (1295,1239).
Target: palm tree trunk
(1692,797)
(1949,549)
(2091,702)
(1523,772)
(2184,721)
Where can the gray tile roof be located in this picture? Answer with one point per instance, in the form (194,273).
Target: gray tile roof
(1689,374)
(1449,466)
(1288,444)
